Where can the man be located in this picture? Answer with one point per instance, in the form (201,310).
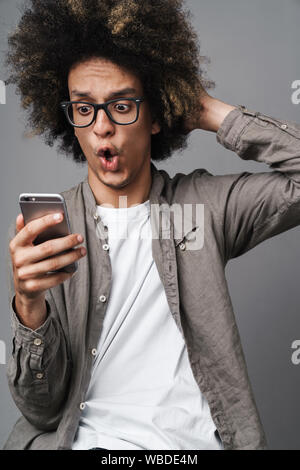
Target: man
(140,349)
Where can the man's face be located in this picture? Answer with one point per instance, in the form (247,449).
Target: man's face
(99,79)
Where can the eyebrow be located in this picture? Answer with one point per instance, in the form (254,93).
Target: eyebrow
(114,94)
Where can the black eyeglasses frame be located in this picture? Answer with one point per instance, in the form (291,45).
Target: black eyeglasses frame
(65,104)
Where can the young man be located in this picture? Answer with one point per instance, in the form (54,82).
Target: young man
(139,349)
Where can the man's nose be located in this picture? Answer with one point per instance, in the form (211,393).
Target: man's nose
(103,125)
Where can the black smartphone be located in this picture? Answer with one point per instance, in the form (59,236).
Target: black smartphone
(36,205)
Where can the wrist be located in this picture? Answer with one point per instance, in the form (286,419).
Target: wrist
(31,313)
(214,113)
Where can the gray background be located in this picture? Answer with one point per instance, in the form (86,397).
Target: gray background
(255,57)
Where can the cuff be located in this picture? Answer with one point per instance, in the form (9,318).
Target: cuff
(233,125)
(26,334)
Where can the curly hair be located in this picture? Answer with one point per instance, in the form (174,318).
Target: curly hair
(153,39)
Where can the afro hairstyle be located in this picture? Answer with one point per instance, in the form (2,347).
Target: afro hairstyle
(153,39)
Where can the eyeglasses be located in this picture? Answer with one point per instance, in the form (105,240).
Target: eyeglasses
(122,111)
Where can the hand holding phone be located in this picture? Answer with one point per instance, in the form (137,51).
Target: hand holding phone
(39,266)
(38,205)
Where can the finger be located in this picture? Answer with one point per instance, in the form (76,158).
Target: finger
(44,250)
(42,268)
(20,223)
(43,283)
(31,230)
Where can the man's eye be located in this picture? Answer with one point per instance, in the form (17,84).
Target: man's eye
(82,108)
(122,107)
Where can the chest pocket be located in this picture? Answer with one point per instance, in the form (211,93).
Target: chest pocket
(193,239)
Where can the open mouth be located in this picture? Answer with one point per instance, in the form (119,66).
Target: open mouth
(107,155)
(109,161)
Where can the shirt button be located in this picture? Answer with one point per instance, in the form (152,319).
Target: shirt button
(40,375)
(82,406)
(102,298)
(96,216)
(105,247)
(284,126)
(94,352)
(182,246)
(37,341)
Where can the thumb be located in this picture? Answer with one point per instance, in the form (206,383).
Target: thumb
(20,222)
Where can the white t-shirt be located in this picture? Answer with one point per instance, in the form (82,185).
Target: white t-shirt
(142,393)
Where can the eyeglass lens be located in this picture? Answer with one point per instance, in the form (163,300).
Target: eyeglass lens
(122,111)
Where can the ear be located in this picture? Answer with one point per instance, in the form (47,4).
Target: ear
(155,128)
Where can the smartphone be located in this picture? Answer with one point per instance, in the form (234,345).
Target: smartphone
(36,205)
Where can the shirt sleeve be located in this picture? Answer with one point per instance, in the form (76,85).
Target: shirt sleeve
(39,367)
(259,206)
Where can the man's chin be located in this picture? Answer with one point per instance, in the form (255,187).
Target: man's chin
(116,186)
(114,180)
